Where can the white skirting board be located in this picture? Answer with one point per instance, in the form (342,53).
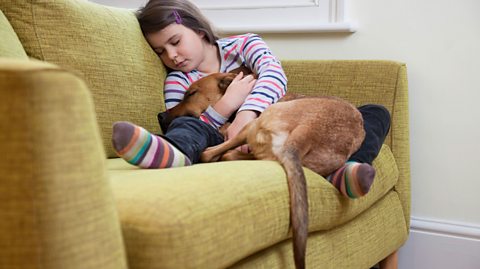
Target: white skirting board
(438,245)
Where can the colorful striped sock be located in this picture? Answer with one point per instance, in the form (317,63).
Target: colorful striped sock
(141,148)
(353,179)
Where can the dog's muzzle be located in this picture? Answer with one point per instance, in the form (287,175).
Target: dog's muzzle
(164,120)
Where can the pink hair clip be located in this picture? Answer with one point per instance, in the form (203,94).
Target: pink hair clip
(178,19)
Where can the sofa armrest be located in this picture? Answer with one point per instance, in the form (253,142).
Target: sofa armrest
(363,82)
(56,205)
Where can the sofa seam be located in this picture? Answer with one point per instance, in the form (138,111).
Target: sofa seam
(393,133)
(394,102)
(41,242)
(35,30)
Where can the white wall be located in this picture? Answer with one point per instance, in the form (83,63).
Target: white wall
(439,40)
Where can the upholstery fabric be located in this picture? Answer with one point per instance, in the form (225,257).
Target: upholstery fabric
(344,246)
(400,135)
(10,46)
(217,214)
(360,82)
(56,206)
(105,47)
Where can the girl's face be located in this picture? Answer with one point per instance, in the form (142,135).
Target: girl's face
(179,47)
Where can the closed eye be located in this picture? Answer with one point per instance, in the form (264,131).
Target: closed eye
(191,92)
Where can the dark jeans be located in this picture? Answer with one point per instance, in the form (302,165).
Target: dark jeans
(376,121)
(192,136)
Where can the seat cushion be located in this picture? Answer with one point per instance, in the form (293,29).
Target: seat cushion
(213,215)
(359,243)
(10,46)
(105,46)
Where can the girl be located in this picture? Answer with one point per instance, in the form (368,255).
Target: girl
(190,49)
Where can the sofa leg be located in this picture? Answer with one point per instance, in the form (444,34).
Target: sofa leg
(390,262)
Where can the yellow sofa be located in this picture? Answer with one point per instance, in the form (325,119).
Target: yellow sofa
(70,68)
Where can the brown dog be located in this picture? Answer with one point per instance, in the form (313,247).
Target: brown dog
(210,89)
(316,132)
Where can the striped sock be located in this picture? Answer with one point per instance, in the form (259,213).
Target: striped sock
(141,148)
(353,179)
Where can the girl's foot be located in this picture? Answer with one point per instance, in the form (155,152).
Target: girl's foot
(353,179)
(141,148)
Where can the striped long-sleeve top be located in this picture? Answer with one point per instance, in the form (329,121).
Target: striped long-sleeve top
(248,50)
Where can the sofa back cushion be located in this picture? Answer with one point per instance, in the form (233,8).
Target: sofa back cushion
(10,46)
(105,47)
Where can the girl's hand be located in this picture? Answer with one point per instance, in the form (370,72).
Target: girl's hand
(242,119)
(235,95)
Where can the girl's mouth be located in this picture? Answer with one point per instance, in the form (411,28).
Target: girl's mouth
(181,64)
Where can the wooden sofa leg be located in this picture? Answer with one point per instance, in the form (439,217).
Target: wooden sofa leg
(390,262)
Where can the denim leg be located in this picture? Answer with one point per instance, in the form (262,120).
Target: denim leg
(192,136)
(376,121)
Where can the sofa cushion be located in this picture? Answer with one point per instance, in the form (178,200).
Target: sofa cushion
(358,81)
(105,46)
(56,204)
(213,215)
(10,46)
(360,243)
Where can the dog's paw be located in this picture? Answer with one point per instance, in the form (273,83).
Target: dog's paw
(209,156)
(235,155)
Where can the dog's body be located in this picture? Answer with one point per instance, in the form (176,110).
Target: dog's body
(320,133)
(312,125)
(194,104)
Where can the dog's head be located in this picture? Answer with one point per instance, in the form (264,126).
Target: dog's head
(201,94)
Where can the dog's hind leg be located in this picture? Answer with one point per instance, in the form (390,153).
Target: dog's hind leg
(213,154)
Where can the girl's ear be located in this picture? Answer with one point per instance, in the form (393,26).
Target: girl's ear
(201,34)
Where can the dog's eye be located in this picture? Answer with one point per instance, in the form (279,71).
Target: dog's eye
(190,93)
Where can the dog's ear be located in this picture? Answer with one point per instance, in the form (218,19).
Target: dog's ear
(225,81)
(245,70)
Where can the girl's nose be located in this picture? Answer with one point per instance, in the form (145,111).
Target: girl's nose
(172,54)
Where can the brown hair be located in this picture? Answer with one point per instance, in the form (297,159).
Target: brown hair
(158,14)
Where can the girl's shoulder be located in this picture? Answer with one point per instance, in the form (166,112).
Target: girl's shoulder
(176,75)
(237,39)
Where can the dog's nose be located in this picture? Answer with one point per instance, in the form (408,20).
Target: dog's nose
(162,116)
(163,120)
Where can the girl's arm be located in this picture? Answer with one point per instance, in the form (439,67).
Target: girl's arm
(235,95)
(271,83)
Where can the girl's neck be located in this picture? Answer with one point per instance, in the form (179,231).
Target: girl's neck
(211,61)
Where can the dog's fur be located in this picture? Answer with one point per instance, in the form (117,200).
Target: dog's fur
(316,132)
(194,104)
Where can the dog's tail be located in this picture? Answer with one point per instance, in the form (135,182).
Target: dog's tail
(297,186)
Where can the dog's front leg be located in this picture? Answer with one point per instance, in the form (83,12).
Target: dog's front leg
(213,154)
(236,155)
